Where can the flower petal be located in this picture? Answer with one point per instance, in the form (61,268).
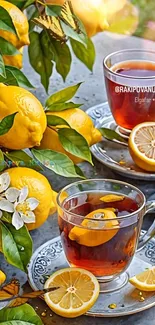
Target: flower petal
(4,181)
(12,194)
(1,213)
(6,206)
(17,221)
(23,194)
(29,218)
(33,203)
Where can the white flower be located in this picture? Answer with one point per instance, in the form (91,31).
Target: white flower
(7,195)
(23,209)
(4,182)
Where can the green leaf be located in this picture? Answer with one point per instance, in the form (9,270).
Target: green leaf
(62,58)
(111,134)
(15,76)
(40,63)
(6,217)
(74,143)
(53,10)
(74,35)
(3,164)
(79,172)
(28,3)
(7,123)
(34,14)
(7,48)
(19,315)
(63,95)
(62,106)
(18,3)
(56,120)
(85,55)
(17,246)
(21,159)
(2,67)
(58,162)
(6,22)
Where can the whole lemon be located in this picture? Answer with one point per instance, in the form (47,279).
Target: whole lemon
(21,25)
(14,60)
(30,121)
(79,121)
(39,188)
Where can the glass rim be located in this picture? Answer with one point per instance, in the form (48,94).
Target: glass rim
(101,180)
(126,51)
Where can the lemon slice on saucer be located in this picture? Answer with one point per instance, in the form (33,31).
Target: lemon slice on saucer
(142,145)
(144,281)
(106,229)
(77,293)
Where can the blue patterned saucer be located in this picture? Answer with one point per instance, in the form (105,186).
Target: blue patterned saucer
(50,257)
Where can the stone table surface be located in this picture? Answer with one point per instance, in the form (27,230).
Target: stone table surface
(92,92)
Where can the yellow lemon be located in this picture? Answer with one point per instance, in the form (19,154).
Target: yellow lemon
(79,121)
(77,293)
(14,60)
(39,188)
(21,25)
(30,121)
(2,277)
(144,281)
(142,144)
(106,230)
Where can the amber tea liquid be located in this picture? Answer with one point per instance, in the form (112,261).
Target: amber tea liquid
(111,257)
(131,102)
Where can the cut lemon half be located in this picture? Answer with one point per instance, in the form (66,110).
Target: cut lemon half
(144,281)
(105,229)
(142,146)
(77,293)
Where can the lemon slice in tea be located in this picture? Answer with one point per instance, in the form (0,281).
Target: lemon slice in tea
(77,293)
(106,229)
(144,281)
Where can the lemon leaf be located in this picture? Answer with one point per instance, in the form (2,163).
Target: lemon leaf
(3,164)
(56,120)
(7,123)
(58,107)
(62,58)
(2,67)
(15,77)
(63,95)
(74,143)
(21,315)
(81,38)
(6,22)
(7,48)
(28,3)
(21,159)
(16,245)
(58,162)
(40,63)
(85,55)
(111,135)
(53,10)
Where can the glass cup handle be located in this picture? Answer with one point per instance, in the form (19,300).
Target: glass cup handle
(150,205)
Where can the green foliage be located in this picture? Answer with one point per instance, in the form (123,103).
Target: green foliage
(22,315)
(16,245)
(6,123)
(58,162)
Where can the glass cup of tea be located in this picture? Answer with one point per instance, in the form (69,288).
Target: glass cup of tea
(100,222)
(130,85)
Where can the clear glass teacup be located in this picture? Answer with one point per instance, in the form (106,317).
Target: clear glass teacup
(100,222)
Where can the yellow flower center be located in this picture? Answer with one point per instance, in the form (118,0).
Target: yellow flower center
(23,208)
